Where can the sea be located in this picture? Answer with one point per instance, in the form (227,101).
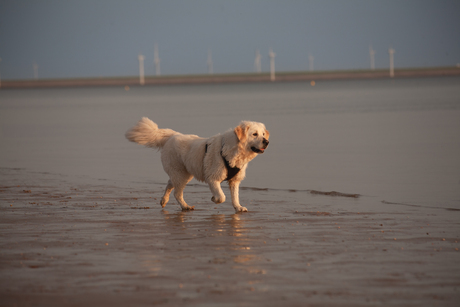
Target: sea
(390,140)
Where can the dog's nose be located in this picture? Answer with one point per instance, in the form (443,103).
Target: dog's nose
(265,142)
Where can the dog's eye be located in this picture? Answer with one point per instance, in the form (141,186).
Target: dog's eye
(255,134)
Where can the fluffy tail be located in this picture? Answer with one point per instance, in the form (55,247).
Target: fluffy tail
(146,133)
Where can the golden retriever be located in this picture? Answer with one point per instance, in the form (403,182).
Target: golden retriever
(211,160)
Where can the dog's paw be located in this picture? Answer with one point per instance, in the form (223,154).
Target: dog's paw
(217,200)
(241,209)
(163,202)
(188,208)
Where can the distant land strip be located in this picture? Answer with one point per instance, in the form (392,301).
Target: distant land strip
(233,78)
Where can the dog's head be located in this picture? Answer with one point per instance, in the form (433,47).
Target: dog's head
(252,136)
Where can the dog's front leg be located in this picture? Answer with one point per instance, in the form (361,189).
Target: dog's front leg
(234,190)
(218,195)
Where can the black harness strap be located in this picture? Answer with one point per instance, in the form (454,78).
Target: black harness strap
(231,171)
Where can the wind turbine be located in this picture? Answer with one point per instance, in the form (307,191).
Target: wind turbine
(257,64)
(272,55)
(141,59)
(372,55)
(35,70)
(156,60)
(311,62)
(391,51)
(210,71)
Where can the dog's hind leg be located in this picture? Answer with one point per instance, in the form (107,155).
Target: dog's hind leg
(179,186)
(168,190)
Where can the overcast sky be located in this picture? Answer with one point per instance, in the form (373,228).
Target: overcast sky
(83,38)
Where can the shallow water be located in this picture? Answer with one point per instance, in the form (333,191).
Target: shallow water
(392,140)
(81,224)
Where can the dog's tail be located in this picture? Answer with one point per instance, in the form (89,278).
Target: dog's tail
(147,133)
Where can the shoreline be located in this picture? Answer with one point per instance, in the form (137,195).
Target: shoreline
(232,78)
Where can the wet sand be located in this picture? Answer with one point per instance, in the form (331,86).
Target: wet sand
(69,241)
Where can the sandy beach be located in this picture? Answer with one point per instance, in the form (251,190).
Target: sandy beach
(67,243)
(355,202)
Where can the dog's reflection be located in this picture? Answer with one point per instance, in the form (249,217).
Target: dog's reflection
(215,225)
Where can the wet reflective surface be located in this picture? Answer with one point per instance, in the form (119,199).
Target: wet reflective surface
(72,244)
(356,202)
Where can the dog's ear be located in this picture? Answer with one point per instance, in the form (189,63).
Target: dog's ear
(267,134)
(241,132)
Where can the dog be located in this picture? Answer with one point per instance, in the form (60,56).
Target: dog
(223,157)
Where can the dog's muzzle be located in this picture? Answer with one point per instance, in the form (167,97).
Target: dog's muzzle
(261,150)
